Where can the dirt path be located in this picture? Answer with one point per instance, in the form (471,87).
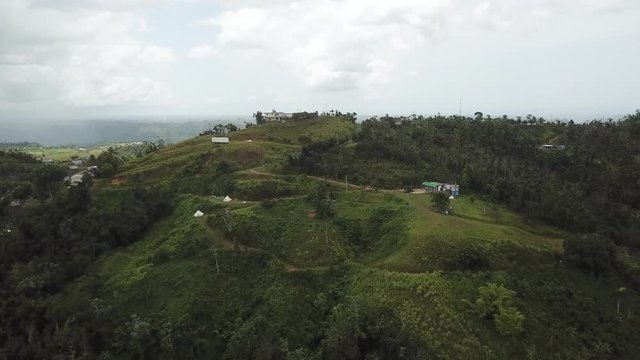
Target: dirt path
(335,182)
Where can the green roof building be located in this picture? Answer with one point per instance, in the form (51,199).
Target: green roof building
(431,185)
(434,186)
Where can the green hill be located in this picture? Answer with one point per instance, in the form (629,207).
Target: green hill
(301,131)
(297,267)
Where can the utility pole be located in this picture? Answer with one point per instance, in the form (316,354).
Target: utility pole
(460,107)
(215,255)
(326,235)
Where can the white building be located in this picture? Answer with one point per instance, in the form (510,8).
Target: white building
(220,140)
(76,179)
(276,116)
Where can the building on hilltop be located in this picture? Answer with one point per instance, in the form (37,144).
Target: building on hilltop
(276,116)
(434,186)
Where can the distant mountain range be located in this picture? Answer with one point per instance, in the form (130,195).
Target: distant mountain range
(97,132)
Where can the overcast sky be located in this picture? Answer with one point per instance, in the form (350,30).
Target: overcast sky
(107,58)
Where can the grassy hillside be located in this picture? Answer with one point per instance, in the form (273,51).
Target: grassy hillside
(297,268)
(324,127)
(474,223)
(265,146)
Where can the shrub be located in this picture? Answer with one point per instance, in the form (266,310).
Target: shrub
(161,256)
(22,190)
(440,202)
(438,254)
(492,299)
(591,253)
(509,321)
(258,190)
(268,203)
(496,302)
(469,257)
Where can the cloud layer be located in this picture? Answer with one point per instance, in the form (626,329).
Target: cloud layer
(79,53)
(120,56)
(332,45)
(352,44)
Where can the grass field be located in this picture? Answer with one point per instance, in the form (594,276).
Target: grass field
(326,127)
(469,223)
(62,153)
(265,147)
(65,153)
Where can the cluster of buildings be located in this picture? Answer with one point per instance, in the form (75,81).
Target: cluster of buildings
(76,179)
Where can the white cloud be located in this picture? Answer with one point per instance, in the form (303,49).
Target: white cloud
(97,75)
(495,15)
(506,15)
(112,5)
(79,53)
(210,21)
(333,45)
(65,54)
(201,52)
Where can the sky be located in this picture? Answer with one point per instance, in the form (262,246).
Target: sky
(87,59)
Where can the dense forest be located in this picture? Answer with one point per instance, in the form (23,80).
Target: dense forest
(51,239)
(589,183)
(538,259)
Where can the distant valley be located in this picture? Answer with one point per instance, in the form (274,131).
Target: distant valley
(101,132)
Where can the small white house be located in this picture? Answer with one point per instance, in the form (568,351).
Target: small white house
(220,140)
(76,179)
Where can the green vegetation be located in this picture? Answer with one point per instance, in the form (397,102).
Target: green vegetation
(62,153)
(301,131)
(300,266)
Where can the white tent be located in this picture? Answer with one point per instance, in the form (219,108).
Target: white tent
(198,214)
(227,199)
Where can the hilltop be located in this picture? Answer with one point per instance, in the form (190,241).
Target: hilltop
(301,264)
